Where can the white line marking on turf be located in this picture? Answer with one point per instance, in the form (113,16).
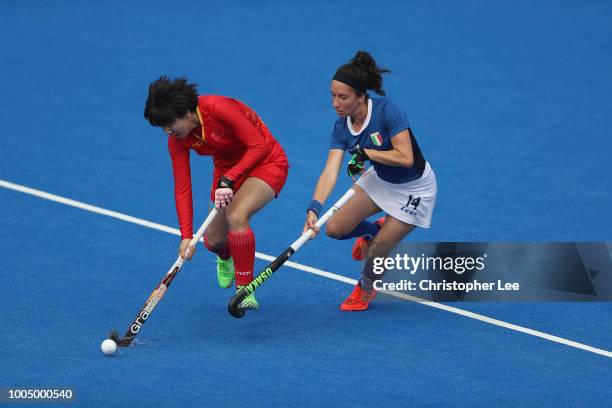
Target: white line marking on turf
(305,268)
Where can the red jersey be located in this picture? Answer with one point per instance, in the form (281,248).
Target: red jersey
(235,137)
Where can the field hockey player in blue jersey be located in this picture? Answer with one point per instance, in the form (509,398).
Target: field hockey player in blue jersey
(399,182)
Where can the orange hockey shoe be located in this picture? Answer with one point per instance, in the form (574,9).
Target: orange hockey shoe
(358,300)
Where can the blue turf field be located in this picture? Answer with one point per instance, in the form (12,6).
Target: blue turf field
(510,102)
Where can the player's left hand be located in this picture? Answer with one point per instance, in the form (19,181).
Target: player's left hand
(224,192)
(223,196)
(357,163)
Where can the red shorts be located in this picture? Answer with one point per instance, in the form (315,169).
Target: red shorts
(273,173)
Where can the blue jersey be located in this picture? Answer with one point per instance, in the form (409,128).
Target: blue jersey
(384,121)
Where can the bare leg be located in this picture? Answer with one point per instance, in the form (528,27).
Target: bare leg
(253,195)
(392,232)
(216,234)
(357,209)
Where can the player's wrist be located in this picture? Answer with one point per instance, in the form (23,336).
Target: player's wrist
(315,206)
(225,182)
(359,153)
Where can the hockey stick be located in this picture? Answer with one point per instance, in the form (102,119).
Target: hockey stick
(234,304)
(160,290)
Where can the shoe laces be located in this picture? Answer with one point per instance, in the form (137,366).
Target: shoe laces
(223,264)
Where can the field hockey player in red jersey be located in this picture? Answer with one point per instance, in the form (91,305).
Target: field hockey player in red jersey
(250,169)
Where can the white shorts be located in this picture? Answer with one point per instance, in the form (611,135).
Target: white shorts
(412,202)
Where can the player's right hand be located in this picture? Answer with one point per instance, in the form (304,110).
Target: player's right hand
(183,250)
(311,220)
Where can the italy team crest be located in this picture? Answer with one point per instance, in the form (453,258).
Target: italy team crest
(376,138)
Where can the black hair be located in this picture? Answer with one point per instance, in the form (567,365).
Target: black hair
(170,99)
(363,66)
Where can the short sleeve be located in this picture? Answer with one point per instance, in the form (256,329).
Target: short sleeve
(338,138)
(394,119)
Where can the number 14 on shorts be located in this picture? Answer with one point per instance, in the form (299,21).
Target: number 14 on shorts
(412,202)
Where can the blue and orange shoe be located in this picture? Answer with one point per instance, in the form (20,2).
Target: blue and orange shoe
(358,300)
(360,247)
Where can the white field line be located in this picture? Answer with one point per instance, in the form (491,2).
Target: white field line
(306,268)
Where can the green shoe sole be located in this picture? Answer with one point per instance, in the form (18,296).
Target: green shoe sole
(249,302)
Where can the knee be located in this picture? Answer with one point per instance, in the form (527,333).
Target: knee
(236,219)
(213,241)
(334,230)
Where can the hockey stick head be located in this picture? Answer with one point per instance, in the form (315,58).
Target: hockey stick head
(114,336)
(234,304)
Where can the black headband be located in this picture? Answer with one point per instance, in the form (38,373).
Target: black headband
(352,81)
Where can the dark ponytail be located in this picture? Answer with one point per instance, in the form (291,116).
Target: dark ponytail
(368,74)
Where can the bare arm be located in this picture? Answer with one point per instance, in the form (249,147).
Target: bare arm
(325,185)
(329,175)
